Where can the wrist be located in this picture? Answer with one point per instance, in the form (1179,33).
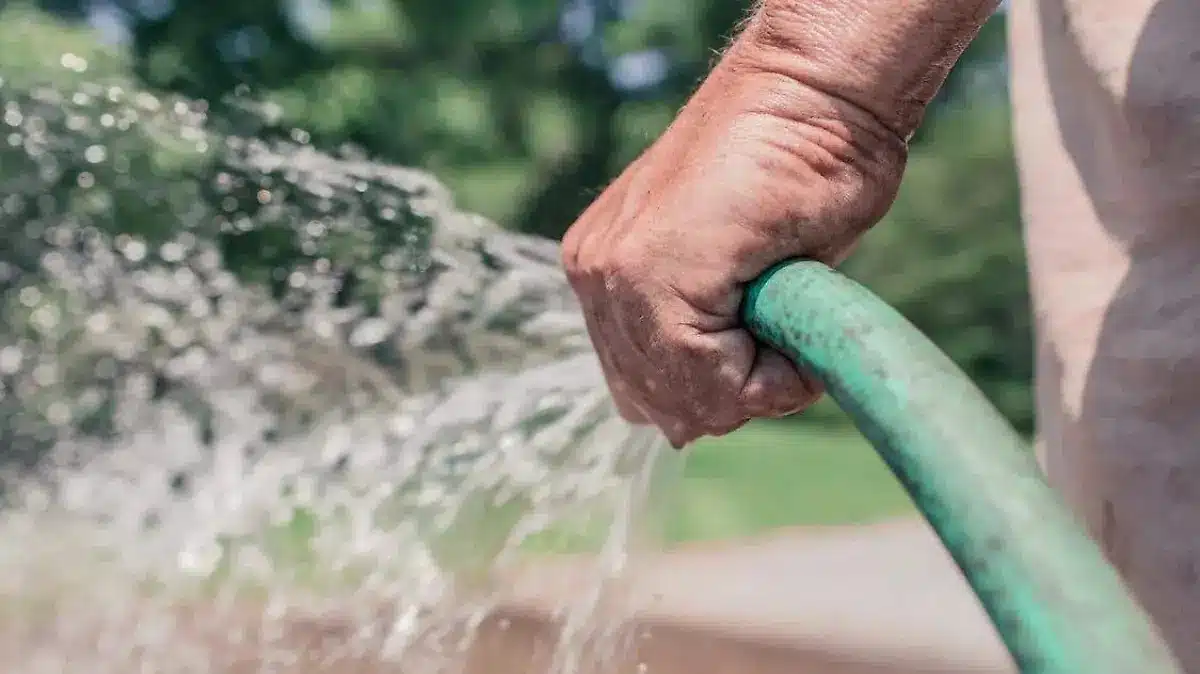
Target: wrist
(886,58)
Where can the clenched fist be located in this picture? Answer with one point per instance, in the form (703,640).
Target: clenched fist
(763,164)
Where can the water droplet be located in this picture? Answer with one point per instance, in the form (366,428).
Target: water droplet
(73,62)
(58,413)
(136,354)
(134,249)
(95,154)
(10,359)
(45,318)
(172,251)
(30,296)
(370,332)
(98,323)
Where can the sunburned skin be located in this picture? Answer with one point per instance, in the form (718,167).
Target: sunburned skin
(886,58)
(795,145)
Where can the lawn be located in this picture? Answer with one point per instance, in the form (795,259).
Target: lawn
(778,473)
(812,470)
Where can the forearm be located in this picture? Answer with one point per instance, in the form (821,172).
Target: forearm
(888,57)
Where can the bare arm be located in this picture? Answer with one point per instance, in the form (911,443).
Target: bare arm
(887,57)
(793,146)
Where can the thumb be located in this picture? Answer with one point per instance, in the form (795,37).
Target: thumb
(776,387)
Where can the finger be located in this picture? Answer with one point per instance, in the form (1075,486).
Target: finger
(636,377)
(602,342)
(727,429)
(776,387)
(677,433)
(626,406)
(682,435)
(711,370)
(622,397)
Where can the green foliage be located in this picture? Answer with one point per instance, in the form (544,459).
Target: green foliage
(949,254)
(37,48)
(526,128)
(121,159)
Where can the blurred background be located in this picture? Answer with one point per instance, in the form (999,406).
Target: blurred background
(527,108)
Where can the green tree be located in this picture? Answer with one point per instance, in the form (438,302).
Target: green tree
(526,127)
(525,124)
(949,254)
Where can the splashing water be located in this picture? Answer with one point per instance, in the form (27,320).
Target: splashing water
(245,385)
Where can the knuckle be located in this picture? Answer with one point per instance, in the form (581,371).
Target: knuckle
(569,253)
(628,258)
(610,266)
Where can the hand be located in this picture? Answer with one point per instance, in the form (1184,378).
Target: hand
(757,168)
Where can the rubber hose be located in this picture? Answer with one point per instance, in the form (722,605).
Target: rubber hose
(1059,607)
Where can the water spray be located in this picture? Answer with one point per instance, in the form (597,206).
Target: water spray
(317,465)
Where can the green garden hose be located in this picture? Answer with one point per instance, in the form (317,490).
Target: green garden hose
(1057,604)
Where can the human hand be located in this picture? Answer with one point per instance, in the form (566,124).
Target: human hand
(759,167)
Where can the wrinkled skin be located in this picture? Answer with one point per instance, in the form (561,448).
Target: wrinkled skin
(757,168)
(1107,126)
(793,147)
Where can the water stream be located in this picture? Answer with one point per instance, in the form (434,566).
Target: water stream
(247,385)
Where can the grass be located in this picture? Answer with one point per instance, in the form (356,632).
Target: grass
(814,470)
(780,473)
